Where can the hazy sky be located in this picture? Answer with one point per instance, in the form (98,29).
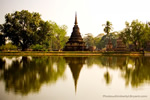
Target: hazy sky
(91,13)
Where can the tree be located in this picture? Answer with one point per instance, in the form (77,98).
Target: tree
(136,33)
(104,40)
(58,36)
(2,39)
(125,34)
(24,28)
(55,39)
(97,42)
(46,43)
(89,40)
(108,27)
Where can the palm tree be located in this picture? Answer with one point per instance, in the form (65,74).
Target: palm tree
(108,28)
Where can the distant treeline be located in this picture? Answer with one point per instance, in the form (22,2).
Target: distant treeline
(135,35)
(27,31)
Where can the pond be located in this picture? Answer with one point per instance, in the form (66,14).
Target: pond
(74,78)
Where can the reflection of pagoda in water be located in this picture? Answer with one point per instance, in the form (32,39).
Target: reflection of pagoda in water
(75,64)
(75,42)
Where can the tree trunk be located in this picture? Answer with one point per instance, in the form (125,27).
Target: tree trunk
(24,47)
(135,46)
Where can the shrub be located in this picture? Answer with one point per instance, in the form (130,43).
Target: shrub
(8,46)
(37,47)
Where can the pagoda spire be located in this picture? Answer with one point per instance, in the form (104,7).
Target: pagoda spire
(75,42)
(76,18)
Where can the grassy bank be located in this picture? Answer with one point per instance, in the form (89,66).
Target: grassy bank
(22,53)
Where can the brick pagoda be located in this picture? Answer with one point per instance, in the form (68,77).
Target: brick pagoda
(75,42)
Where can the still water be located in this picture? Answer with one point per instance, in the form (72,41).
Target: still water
(74,78)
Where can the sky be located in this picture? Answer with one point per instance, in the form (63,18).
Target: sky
(91,14)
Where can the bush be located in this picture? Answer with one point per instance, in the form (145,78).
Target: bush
(37,47)
(8,46)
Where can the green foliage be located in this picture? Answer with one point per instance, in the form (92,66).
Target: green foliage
(97,42)
(136,33)
(8,46)
(104,40)
(58,36)
(108,27)
(89,40)
(24,28)
(37,47)
(100,41)
(55,39)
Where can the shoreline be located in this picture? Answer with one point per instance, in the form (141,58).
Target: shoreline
(68,53)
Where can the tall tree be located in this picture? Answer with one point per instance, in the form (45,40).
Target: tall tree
(58,36)
(136,33)
(108,27)
(125,34)
(24,28)
(2,39)
(89,40)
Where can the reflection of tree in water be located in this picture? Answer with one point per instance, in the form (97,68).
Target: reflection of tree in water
(30,73)
(107,77)
(102,61)
(75,65)
(138,72)
(2,63)
(135,70)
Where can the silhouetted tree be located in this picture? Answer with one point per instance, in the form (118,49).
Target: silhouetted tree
(2,39)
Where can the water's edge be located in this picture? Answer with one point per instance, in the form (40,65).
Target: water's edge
(2,53)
